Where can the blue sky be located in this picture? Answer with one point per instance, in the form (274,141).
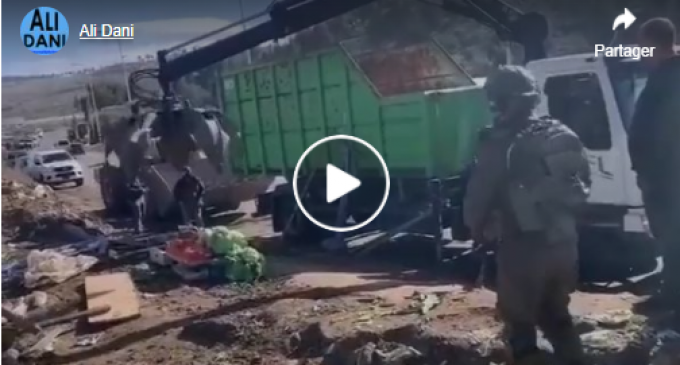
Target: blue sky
(158,24)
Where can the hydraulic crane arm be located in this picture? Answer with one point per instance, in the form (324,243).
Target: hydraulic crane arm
(290,16)
(285,17)
(529,30)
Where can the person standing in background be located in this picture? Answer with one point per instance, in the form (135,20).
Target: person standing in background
(654,147)
(188,193)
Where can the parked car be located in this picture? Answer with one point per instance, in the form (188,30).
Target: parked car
(54,167)
(76,148)
(62,143)
(12,158)
(29,143)
(23,146)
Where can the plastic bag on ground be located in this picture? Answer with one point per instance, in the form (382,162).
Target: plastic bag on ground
(50,266)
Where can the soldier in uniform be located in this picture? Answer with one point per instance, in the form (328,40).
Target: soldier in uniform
(137,200)
(188,193)
(531,177)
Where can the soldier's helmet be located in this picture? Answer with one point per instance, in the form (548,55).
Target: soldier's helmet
(511,82)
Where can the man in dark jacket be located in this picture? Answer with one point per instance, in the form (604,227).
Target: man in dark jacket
(531,177)
(654,148)
(188,193)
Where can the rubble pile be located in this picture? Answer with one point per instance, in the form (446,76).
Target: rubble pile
(27,206)
(612,338)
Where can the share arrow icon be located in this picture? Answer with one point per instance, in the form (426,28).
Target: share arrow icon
(626,19)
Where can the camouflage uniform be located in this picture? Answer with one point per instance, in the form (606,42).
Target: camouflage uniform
(188,193)
(526,168)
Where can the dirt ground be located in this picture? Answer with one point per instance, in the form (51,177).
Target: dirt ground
(308,302)
(257,325)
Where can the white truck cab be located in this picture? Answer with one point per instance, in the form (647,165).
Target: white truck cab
(596,99)
(54,167)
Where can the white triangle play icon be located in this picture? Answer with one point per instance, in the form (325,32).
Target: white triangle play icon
(339,183)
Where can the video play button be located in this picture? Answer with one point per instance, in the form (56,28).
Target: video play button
(339,183)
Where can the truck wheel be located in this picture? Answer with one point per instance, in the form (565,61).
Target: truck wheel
(112,190)
(611,256)
(80,182)
(296,229)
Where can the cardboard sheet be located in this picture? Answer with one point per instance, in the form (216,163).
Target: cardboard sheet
(115,290)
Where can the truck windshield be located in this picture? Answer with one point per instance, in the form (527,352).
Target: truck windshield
(56,157)
(628,79)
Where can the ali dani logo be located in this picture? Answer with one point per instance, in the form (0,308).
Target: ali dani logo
(44,30)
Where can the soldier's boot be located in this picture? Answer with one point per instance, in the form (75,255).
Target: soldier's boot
(556,321)
(537,358)
(567,346)
(670,286)
(521,344)
(186,218)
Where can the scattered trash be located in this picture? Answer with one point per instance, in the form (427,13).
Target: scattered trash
(189,251)
(385,353)
(142,271)
(23,305)
(51,266)
(13,272)
(213,253)
(46,343)
(11,357)
(425,302)
(28,207)
(612,319)
(42,191)
(116,291)
(88,340)
(605,341)
(37,299)
(666,350)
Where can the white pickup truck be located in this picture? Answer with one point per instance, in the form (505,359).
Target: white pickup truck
(54,167)
(595,97)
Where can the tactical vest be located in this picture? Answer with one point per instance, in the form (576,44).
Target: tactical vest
(548,177)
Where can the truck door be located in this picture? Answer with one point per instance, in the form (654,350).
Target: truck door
(578,93)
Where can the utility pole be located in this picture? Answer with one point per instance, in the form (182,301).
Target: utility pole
(95,111)
(125,74)
(249,53)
